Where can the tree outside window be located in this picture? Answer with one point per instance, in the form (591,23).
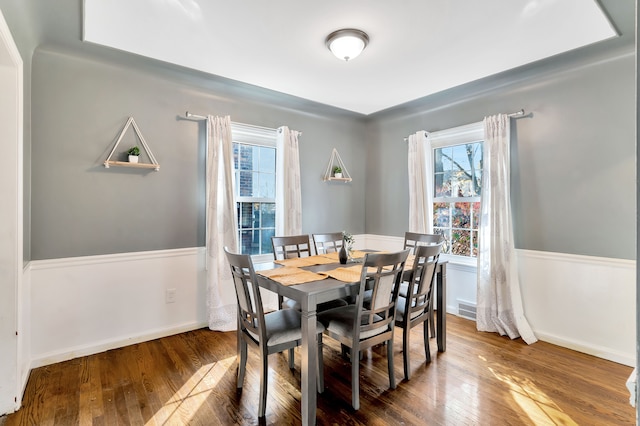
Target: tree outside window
(457,192)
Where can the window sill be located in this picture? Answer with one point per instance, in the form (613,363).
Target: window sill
(262,258)
(468,262)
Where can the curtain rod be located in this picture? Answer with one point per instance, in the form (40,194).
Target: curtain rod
(194,116)
(510,115)
(202,117)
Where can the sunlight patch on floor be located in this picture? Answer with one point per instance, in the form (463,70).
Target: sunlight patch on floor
(185,403)
(537,405)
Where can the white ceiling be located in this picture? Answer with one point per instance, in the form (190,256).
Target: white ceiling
(416,48)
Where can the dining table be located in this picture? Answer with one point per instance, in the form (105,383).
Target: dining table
(321,278)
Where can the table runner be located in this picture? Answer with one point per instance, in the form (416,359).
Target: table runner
(357,254)
(289,275)
(305,261)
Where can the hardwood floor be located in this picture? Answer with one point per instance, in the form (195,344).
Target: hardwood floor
(190,378)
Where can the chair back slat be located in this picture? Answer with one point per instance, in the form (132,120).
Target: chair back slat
(382,291)
(383,273)
(420,290)
(327,243)
(289,247)
(250,309)
(413,239)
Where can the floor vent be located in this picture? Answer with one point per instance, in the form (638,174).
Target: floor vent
(466,309)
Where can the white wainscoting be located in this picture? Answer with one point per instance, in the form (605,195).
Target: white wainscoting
(85,305)
(584,303)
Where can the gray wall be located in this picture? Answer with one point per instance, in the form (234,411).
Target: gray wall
(80,104)
(573,157)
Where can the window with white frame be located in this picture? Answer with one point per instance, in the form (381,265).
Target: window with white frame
(457,176)
(254,160)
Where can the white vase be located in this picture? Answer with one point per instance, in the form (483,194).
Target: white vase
(337,175)
(133,158)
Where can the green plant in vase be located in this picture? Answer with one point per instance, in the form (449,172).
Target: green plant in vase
(348,241)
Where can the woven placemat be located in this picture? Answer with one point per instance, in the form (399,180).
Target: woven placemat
(322,259)
(301,262)
(349,274)
(297,262)
(356,254)
(331,256)
(289,275)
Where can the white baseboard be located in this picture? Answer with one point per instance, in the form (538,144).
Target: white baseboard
(588,348)
(96,347)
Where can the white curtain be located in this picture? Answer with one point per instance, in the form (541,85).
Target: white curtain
(221,225)
(420,183)
(288,196)
(499,307)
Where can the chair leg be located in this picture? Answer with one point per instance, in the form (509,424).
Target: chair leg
(320,368)
(392,376)
(406,332)
(355,379)
(425,336)
(264,374)
(291,359)
(345,352)
(242,361)
(432,322)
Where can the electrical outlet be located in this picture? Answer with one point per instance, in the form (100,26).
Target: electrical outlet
(170,295)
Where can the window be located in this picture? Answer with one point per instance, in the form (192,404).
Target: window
(457,176)
(254,161)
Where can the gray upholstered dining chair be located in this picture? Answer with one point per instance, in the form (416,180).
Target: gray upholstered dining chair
(413,240)
(327,243)
(360,327)
(414,307)
(271,333)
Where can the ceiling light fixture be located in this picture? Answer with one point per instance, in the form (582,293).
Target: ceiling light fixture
(348,43)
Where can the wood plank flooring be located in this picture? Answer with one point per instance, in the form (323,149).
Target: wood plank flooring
(190,378)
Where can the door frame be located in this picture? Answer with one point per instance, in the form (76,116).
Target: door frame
(11,210)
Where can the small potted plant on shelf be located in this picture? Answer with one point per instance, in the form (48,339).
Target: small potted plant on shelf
(133,152)
(337,172)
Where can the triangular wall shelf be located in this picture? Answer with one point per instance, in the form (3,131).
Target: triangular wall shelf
(154,163)
(334,161)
